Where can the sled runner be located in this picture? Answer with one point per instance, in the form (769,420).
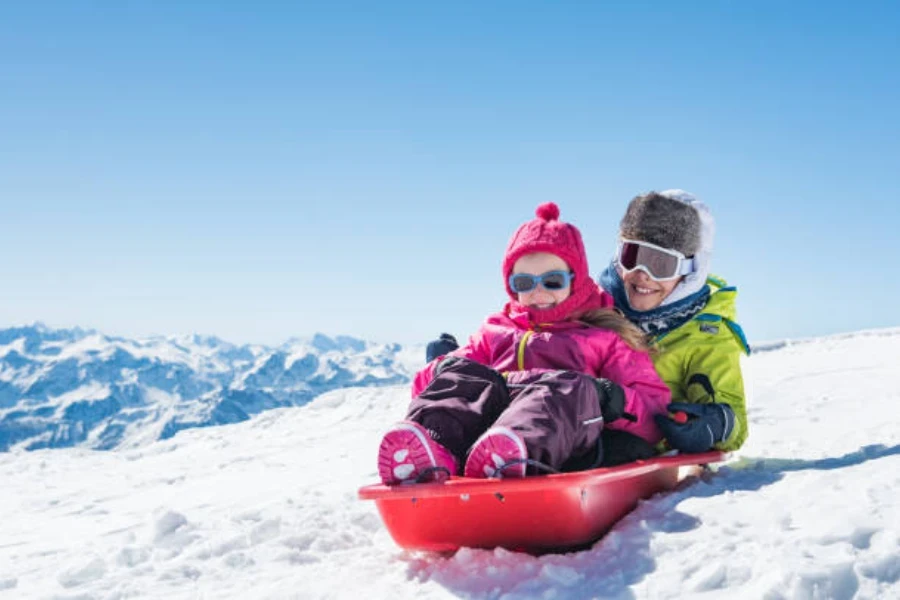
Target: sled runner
(533,514)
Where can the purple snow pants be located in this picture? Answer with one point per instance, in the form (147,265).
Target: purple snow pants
(556,413)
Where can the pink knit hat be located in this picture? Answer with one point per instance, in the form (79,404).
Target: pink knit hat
(547,233)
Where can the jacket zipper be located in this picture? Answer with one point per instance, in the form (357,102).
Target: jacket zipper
(520,355)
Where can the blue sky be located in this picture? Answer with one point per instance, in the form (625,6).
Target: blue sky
(263,170)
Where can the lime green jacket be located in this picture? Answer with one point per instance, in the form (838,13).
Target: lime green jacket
(708,349)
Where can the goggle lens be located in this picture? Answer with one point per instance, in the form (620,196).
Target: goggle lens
(553,281)
(659,263)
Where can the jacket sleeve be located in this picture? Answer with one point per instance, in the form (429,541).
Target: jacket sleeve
(713,374)
(476,349)
(646,394)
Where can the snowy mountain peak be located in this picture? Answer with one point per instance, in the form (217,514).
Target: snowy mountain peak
(341,343)
(37,331)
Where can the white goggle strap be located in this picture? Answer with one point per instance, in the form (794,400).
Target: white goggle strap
(687,266)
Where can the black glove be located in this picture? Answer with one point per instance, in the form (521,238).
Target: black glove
(441,346)
(612,400)
(706,426)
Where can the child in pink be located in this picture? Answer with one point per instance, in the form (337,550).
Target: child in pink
(535,386)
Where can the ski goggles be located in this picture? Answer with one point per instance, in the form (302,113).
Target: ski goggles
(552,281)
(661,264)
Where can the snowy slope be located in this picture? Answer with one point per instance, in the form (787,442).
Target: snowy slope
(268,509)
(62,388)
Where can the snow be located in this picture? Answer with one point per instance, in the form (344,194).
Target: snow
(268,508)
(90,391)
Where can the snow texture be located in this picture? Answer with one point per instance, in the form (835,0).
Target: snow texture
(267,508)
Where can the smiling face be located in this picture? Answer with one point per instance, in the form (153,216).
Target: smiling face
(643,292)
(539,263)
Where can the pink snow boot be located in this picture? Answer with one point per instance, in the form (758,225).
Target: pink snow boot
(490,454)
(408,455)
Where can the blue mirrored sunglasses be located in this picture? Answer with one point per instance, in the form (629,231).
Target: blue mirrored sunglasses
(553,281)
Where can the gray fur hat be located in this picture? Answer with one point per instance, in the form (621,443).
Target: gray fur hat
(663,221)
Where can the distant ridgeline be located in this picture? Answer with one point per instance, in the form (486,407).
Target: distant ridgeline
(71,387)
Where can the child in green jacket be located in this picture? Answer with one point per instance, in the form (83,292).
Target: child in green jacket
(659,278)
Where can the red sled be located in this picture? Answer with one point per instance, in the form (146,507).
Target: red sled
(548,513)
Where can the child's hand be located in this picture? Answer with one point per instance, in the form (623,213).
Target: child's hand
(702,426)
(612,400)
(441,346)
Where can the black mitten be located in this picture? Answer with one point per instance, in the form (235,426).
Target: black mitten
(612,400)
(441,346)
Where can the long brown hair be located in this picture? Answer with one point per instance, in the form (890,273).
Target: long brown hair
(607,318)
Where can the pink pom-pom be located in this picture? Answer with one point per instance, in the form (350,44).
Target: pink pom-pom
(548,211)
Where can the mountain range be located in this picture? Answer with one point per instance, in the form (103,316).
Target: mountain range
(77,387)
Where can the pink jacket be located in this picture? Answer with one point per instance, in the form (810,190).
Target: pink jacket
(508,342)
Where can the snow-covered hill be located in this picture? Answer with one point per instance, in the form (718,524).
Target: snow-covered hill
(268,508)
(72,387)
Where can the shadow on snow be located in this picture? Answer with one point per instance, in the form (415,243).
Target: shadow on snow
(623,557)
